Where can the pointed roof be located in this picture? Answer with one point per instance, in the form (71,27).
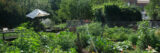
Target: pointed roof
(37,13)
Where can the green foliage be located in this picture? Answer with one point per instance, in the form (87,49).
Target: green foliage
(29,5)
(13,49)
(112,12)
(55,4)
(87,31)
(30,42)
(100,2)
(153,9)
(75,9)
(113,40)
(117,33)
(116,14)
(61,26)
(138,50)
(91,29)
(10,14)
(109,3)
(64,39)
(58,50)
(13,12)
(104,45)
(120,46)
(2,46)
(133,38)
(146,36)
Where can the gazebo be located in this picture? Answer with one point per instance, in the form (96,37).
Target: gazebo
(35,15)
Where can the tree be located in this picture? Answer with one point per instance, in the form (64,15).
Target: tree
(75,9)
(153,9)
(117,15)
(55,4)
(13,12)
(10,14)
(97,2)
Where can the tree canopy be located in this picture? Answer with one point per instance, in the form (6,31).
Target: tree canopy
(13,12)
(115,14)
(75,9)
(153,9)
(10,13)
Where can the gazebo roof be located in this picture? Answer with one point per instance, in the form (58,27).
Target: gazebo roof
(37,13)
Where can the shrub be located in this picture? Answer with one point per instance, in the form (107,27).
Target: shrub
(116,15)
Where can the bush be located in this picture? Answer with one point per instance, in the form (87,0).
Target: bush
(115,15)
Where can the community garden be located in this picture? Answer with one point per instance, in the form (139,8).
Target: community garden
(108,26)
